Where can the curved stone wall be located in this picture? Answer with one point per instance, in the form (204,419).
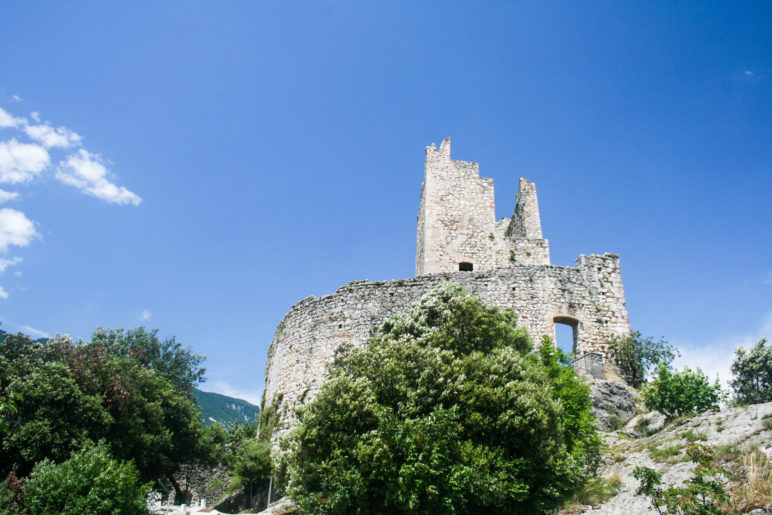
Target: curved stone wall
(591,294)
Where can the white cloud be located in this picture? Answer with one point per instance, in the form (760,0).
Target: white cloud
(35,116)
(3,293)
(716,357)
(49,136)
(5,263)
(17,273)
(748,73)
(253,397)
(15,229)
(86,172)
(15,99)
(145,315)
(31,331)
(21,162)
(5,196)
(6,120)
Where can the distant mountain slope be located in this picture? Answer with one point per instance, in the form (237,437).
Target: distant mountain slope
(216,407)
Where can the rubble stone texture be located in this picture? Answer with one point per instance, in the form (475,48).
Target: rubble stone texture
(456,228)
(612,404)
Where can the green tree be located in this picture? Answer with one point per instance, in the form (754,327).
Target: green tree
(677,393)
(168,357)
(126,387)
(90,481)
(752,383)
(251,464)
(445,410)
(636,356)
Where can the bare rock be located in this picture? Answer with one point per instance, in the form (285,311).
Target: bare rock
(612,404)
(645,425)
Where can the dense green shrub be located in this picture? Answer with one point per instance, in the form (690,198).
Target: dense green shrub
(752,371)
(90,481)
(251,465)
(635,355)
(446,410)
(126,387)
(677,393)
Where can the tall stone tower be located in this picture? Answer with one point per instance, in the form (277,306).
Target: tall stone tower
(457,227)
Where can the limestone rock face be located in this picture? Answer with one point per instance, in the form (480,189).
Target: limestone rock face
(611,401)
(741,427)
(646,424)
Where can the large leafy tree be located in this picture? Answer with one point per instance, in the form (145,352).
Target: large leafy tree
(636,355)
(752,371)
(677,393)
(124,386)
(446,410)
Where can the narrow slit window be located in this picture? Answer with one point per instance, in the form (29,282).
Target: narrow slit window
(465,267)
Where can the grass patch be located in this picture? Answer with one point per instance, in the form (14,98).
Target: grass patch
(752,487)
(727,452)
(766,423)
(665,454)
(596,491)
(692,437)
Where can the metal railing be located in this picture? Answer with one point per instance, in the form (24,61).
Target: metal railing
(590,365)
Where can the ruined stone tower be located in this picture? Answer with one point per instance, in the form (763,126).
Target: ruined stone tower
(457,227)
(505,263)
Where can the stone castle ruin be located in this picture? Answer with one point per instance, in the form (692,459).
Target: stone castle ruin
(505,263)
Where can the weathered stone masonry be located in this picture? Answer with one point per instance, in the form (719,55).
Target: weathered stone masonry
(456,225)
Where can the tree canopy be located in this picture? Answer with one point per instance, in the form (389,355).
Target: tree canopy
(636,356)
(127,387)
(752,371)
(447,409)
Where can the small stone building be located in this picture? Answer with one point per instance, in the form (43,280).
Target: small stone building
(506,263)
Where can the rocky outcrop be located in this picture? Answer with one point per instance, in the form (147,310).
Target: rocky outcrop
(738,431)
(612,404)
(645,425)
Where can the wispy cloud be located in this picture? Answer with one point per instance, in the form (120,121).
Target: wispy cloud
(26,149)
(253,397)
(35,333)
(145,315)
(5,263)
(87,172)
(21,162)
(6,120)
(48,136)
(5,196)
(15,229)
(3,293)
(715,357)
(768,279)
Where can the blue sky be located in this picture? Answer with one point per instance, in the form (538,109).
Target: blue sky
(199,167)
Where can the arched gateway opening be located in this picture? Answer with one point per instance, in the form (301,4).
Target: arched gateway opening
(566,334)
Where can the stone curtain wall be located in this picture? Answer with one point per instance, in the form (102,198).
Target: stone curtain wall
(590,293)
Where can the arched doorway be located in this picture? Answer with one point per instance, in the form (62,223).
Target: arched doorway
(566,334)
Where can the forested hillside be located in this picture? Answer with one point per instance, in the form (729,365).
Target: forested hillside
(216,407)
